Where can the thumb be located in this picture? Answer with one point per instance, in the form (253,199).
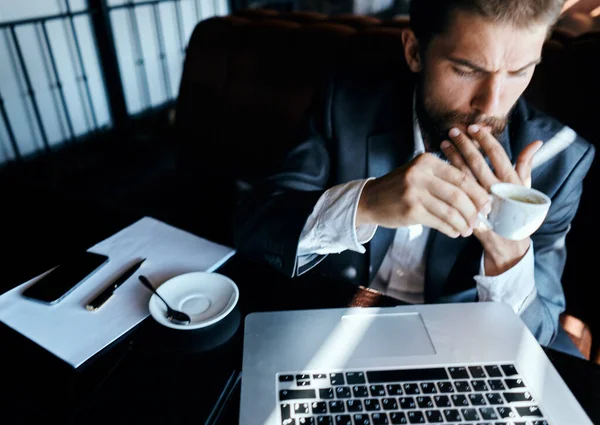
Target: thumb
(525,160)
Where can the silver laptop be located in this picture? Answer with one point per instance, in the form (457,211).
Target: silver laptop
(467,363)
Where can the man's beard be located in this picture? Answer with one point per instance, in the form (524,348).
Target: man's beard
(436,123)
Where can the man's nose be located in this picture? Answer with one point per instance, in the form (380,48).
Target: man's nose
(488,96)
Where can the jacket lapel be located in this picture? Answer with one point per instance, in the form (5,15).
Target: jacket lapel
(381,162)
(443,253)
(389,146)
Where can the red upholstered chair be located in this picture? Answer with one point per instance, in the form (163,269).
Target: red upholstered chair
(249,79)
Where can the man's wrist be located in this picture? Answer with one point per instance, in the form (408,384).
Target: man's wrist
(503,255)
(362,212)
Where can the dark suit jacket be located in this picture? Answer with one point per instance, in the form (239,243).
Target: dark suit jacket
(361,127)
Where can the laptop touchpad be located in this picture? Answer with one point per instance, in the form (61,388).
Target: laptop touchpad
(388,335)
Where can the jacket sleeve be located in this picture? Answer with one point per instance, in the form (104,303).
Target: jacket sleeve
(269,219)
(542,315)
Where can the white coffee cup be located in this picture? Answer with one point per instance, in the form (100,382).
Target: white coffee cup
(517,211)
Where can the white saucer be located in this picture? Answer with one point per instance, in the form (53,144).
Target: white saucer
(205,297)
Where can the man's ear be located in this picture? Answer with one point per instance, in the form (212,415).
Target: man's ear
(411,50)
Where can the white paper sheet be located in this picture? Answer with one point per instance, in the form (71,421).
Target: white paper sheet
(75,334)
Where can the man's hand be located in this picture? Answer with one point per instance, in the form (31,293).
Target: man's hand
(426,191)
(464,155)
(500,254)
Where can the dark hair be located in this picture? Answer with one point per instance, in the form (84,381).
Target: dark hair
(431,17)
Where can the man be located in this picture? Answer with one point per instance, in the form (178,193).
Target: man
(390,177)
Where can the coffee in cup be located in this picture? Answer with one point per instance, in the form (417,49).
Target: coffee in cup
(517,211)
(526,199)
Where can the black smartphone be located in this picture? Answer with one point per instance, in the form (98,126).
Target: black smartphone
(64,278)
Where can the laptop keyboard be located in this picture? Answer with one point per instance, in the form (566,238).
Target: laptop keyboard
(474,395)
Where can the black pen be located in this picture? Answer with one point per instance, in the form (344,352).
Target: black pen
(99,300)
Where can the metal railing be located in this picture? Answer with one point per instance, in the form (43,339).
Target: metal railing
(56,85)
(139,61)
(100,18)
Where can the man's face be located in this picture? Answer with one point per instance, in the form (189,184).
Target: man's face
(474,73)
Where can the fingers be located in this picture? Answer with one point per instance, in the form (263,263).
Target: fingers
(525,160)
(445,218)
(455,158)
(439,195)
(499,159)
(474,159)
(458,200)
(462,180)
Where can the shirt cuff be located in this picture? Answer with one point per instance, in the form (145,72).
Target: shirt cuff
(305,259)
(515,287)
(363,233)
(331,228)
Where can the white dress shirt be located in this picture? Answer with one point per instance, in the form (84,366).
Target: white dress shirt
(331,229)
